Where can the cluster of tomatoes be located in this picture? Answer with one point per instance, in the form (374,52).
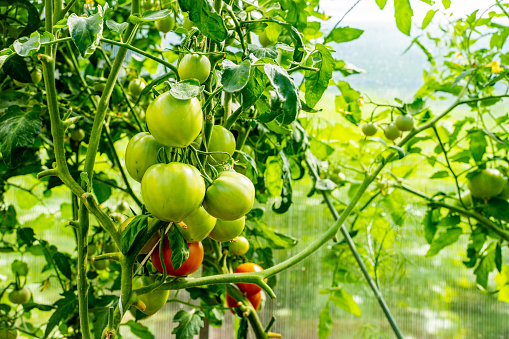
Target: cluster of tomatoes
(393,130)
(175,190)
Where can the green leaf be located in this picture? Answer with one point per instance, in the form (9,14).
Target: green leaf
(135,229)
(16,67)
(25,236)
(325,322)
(381,3)
(444,239)
(477,143)
(190,323)
(427,19)
(343,34)
(273,176)
(269,52)
(25,199)
(103,188)
(33,21)
(440,175)
(65,308)
(497,208)
(274,239)
(394,204)
(205,18)
(318,82)
(235,77)
(18,130)
(116,27)
(139,330)
(148,16)
(19,267)
(286,91)
(63,262)
(5,54)
(179,248)
(347,103)
(343,299)
(403,13)
(287,191)
(320,149)
(446,3)
(486,266)
(86,32)
(254,88)
(27,46)
(186,89)
(100,322)
(241,328)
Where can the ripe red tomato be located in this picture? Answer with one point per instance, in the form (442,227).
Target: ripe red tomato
(221,140)
(140,154)
(249,289)
(173,191)
(230,196)
(174,122)
(255,300)
(192,264)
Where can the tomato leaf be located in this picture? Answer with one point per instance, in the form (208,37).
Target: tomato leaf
(477,143)
(27,46)
(190,323)
(139,330)
(18,130)
(235,77)
(205,18)
(16,67)
(342,299)
(318,81)
(440,175)
(497,208)
(186,89)
(427,19)
(261,52)
(286,91)
(63,262)
(325,322)
(343,34)
(100,322)
(347,103)
(254,88)
(403,13)
(148,16)
(102,187)
(444,239)
(33,20)
(116,27)
(134,230)
(65,308)
(274,240)
(287,190)
(86,32)
(486,266)
(5,54)
(179,248)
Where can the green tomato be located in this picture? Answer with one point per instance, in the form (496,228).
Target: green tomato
(99,87)
(140,154)
(91,249)
(101,264)
(77,134)
(136,86)
(153,301)
(227,230)
(405,122)
(369,129)
(173,191)
(486,184)
(197,226)
(188,24)
(165,25)
(230,196)
(174,122)
(391,132)
(36,76)
(264,39)
(21,296)
(148,4)
(505,192)
(239,246)
(221,140)
(110,248)
(194,66)
(8,333)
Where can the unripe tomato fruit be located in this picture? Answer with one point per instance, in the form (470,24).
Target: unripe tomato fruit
(36,76)
(227,230)
(150,243)
(391,132)
(173,191)
(136,86)
(165,25)
(264,40)
(21,296)
(148,4)
(194,66)
(221,140)
(153,301)
(8,333)
(77,134)
(369,129)
(249,289)
(230,196)
(405,122)
(99,87)
(239,246)
(192,264)
(188,24)
(197,226)
(101,264)
(255,300)
(174,122)
(486,184)
(91,249)
(140,154)
(110,247)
